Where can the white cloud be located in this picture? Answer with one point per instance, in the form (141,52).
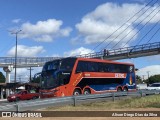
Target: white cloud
(16,20)
(153,70)
(44,31)
(78,51)
(26,51)
(23,74)
(107,18)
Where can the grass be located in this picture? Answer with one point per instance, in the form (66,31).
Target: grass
(144,102)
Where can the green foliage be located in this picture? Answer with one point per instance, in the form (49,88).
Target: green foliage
(138,79)
(2,78)
(36,78)
(153,79)
(133,102)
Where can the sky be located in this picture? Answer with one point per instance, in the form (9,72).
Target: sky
(52,28)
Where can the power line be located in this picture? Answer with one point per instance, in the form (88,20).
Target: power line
(137,26)
(147,33)
(150,38)
(124,24)
(141,28)
(128,27)
(153,35)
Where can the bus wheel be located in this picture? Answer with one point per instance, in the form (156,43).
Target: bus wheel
(119,89)
(76,92)
(87,91)
(125,89)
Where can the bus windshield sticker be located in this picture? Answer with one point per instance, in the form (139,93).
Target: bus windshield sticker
(66,73)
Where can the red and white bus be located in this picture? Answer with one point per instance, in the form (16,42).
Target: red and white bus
(75,76)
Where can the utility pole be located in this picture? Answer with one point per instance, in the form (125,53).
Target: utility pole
(143,77)
(20,78)
(148,76)
(16,33)
(30,69)
(148,73)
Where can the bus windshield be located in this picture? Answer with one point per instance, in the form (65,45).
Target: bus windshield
(53,65)
(49,81)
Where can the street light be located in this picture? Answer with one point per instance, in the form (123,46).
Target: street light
(16,33)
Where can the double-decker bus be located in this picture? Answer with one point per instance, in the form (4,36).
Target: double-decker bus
(75,76)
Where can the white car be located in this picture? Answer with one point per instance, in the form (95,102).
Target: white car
(154,86)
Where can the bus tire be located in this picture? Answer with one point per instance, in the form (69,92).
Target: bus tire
(119,89)
(125,89)
(76,92)
(87,91)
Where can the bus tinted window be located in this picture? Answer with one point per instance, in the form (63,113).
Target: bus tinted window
(107,67)
(121,68)
(51,65)
(67,64)
(86,66)
(82,66)
(92,66)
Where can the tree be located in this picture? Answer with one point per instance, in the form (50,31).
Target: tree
(2,78)
(138,79)
(36,78)
(153,79)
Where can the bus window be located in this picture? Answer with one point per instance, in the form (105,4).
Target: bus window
(108,67)
(105,67)
(82,66)
(92,67)
(117,68)
(64,78)
(67,64)
(51,65)
(100,67)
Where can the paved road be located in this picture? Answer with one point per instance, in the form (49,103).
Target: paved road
(5,102)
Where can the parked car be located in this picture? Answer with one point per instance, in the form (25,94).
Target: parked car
(141,86)
(154,86)
(22,95)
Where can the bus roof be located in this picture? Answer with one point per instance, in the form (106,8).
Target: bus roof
(106,61)
(94,60)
